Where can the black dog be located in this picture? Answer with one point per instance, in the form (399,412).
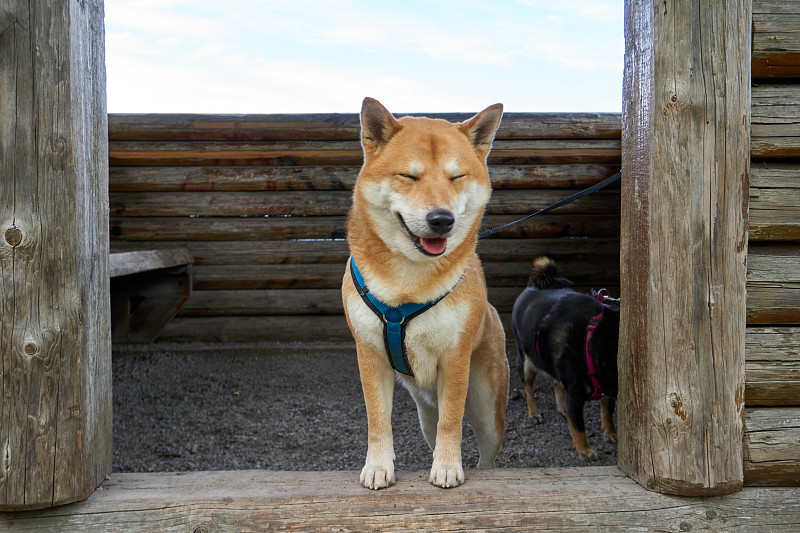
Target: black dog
(573,338)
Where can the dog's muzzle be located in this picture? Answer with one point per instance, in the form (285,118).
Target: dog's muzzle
(440,222)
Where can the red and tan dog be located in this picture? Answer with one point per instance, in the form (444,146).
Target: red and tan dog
(412,230)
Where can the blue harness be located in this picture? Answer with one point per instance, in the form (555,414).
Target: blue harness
(394,320)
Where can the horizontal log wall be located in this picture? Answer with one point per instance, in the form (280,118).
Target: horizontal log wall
(772,393)
(261,203)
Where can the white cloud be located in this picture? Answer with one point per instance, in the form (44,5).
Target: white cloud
(317,56)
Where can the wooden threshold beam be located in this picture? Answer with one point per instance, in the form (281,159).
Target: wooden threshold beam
(552,499)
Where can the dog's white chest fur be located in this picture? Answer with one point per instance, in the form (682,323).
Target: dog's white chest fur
(429,337)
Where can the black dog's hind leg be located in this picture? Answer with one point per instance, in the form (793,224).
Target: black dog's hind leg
(577,427)
(528,375)
(561,402)
(607,416)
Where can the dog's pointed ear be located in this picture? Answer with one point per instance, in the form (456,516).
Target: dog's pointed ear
(482,127)
(377,126)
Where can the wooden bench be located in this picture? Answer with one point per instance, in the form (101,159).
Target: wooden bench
(148,288)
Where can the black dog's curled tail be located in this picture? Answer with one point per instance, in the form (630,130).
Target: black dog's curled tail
(543,275)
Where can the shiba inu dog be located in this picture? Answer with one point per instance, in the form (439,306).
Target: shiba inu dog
(414,291)
(573,338)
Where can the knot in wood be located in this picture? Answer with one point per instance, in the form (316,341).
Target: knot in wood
(31,348)
(13,236)
(676,402)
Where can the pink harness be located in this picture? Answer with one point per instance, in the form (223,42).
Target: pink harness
(590,329)
(598,389)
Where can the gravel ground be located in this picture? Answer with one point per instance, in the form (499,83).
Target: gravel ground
(279,407)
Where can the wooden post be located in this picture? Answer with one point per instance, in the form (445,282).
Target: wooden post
(685,155)
(55,371)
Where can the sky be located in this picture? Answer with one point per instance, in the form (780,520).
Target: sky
(316,56)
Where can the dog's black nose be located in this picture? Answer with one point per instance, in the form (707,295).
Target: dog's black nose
(440,221)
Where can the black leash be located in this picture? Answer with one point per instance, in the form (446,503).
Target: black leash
(577,196)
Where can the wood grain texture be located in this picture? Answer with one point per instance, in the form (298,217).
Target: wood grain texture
(601,272)
(55,371)
(323,203)
(551,499)
(775,126)
(773,366)
(154,229)
(125,263)
(773,284)
(303,153)
(772,446)
(776,39)
(344,126)
(686,154)
(775,202)
(253,253)
(335,178)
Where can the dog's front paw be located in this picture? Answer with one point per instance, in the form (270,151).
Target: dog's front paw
(610,437)
(535,420)
(588,455)
(447,475)
(376,477)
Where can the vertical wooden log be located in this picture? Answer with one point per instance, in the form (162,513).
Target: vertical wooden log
(55,370)
(685,155)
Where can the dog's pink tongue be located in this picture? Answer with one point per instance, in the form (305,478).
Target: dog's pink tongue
(433,246)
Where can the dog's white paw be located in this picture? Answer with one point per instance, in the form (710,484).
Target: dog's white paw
(376,476)
(447,475)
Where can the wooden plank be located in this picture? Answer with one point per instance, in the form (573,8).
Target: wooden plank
(123,264)
(775,126)
(775,175)
(600,270)
(321,178)
(325,203)
(773,285)
(686,157)
(330,127)
(775,147)
(776,39)
(254,302)
(768,304)
(320,295)
(767,225)
(303,153)
(286,328)
(336,252)
(772,446)
(786,201)
(774,264)
(143,303)
(55,350)
(773,366)
(542,499)
(225,178)
(154,229)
